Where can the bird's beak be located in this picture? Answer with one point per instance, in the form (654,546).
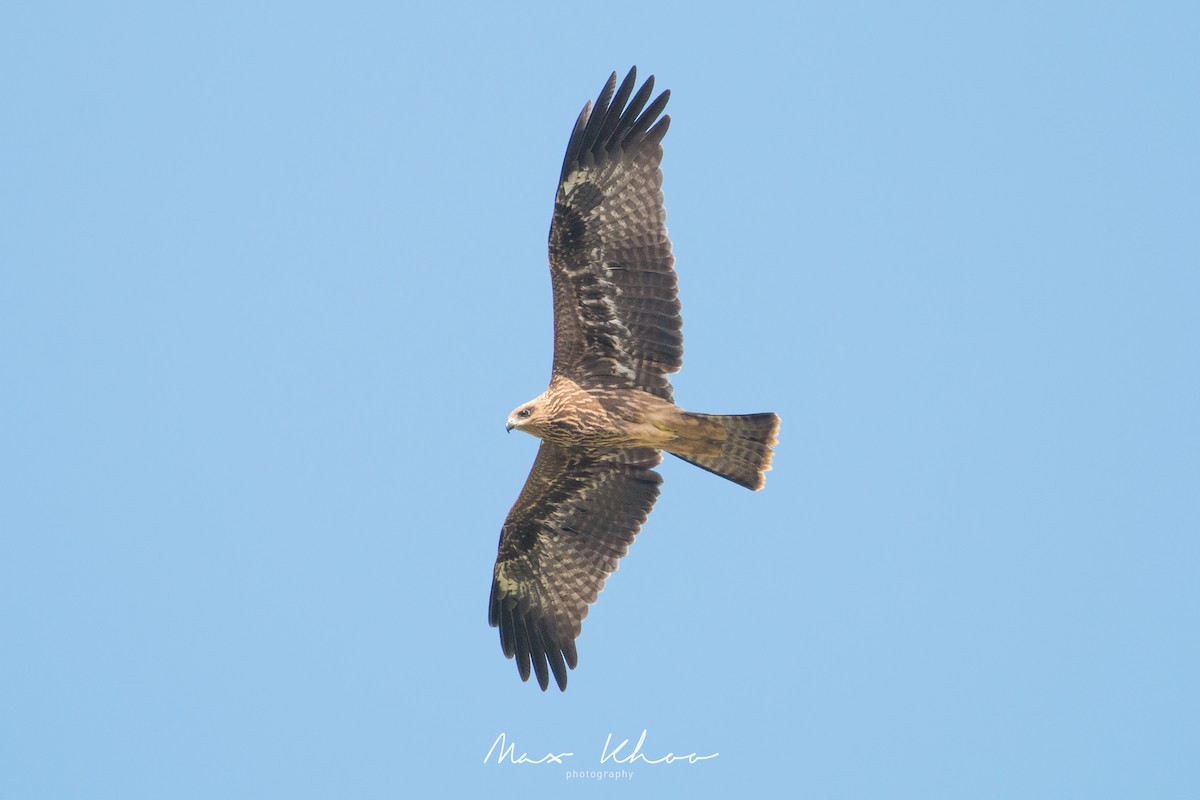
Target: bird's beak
(508,426)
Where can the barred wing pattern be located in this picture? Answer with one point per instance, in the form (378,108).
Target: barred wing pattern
(616,309)
(577,515)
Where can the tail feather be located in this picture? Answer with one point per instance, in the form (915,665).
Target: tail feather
(737,447)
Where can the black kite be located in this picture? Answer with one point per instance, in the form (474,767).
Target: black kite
(609,411)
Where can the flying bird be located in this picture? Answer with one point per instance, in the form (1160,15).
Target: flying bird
(609,411)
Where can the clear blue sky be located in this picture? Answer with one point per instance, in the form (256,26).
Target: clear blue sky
(274,275)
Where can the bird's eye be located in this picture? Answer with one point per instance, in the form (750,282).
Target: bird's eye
(523,413)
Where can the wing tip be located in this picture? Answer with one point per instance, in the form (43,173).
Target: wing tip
(537,651)
(615,120)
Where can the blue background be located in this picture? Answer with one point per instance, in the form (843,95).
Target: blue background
(274,275)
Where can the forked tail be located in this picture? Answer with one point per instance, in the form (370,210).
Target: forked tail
(736,447)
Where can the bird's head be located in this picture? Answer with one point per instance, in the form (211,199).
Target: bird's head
(526,417)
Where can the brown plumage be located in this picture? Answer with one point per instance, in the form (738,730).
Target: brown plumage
(609,410)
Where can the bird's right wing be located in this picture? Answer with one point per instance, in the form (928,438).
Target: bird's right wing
(576,516)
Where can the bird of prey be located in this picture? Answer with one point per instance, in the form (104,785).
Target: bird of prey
(609,410)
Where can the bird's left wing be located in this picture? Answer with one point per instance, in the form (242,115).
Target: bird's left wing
(577,515)
(616,309)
